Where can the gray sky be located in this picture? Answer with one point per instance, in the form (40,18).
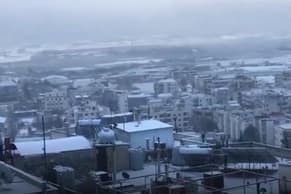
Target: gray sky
(61,21)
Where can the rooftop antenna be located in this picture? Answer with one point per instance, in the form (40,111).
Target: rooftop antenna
(44,151)
(124,121)
(138,116)
(1,149)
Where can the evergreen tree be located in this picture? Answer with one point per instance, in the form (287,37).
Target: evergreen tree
(251,133)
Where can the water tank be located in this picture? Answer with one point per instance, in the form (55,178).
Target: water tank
(106,136)
(213,180)
(65,176)
(193,149)
(194,155)
(177,158)
(136,159)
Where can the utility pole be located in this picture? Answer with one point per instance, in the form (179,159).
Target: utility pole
(1,149)
(44,153)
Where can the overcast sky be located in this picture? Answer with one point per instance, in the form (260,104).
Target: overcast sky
(61,21)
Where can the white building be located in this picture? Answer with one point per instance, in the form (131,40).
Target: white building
(202,100)
(166,86)
(239,121)
(267,126)
(122,101)
(221,95)
(283,132)
(85,109)
(138,133)
(174,112)
(54,100)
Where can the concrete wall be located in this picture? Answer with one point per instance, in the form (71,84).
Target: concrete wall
(138,139)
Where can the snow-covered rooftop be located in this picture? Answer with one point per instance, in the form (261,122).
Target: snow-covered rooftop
(146,87)
(143,125)
(5,83)
(286,126)
(83,82)
(2,119)
(118,115)
(53,145)
(141,95)
(170,80)
(89,122)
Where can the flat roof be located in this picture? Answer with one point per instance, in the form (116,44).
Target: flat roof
(286,126)
(24,183)
(73,143)
(3,119)
(118,115)
(143,125)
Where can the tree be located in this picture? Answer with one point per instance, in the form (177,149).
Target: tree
(251,133)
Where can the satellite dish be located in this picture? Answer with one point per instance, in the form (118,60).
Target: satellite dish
(125,175)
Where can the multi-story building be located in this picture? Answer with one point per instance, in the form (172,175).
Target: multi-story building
(145,133)
(270,100)
(267,125)
(283,135)
(8,91)
(85,109)
(172,111)
(242,83)
(283,79)
(221,95)
(136,100)
(201,100)
(166,86)
(238,123)
(122,101)
(54,100)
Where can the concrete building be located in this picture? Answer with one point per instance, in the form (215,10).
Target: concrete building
(176,112)
(242,83)
(202,100)
(85,108)
(20,182)
(283,79)
(137,100)
(138,133)
(221,95)
(116,118)
(283,135)
(122,101)
(8,91)
(166,86)
(54,100)
(239,121)
(116,100)
(267,126)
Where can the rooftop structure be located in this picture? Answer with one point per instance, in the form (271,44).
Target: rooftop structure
(203,179)
(144,125)
(24,183)
(145,133)
(29,148)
